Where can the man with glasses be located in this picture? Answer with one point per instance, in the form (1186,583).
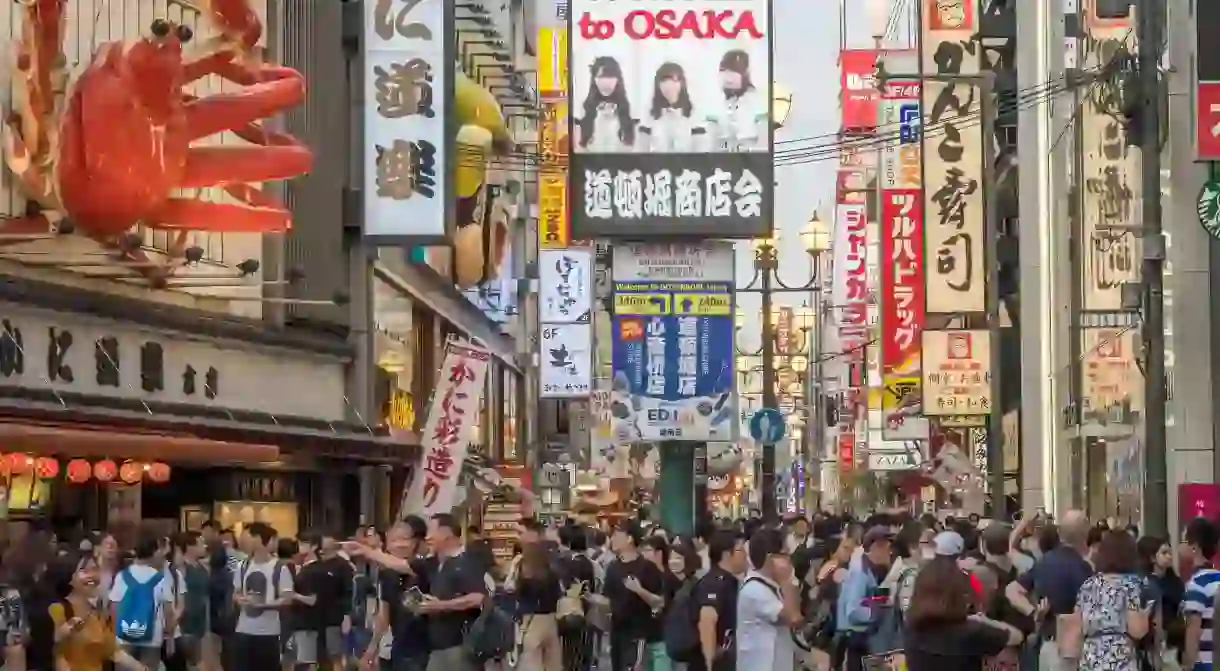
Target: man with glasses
(768,607)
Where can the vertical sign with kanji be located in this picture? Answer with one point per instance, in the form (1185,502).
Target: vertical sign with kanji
(408,121)
(433,485)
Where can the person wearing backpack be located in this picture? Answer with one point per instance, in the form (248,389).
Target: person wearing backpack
(768,606)
(262,585)
(142,604)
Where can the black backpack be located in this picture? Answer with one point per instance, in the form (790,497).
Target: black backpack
(680,629)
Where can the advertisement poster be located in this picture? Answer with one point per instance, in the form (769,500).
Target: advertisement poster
(902,264)
(849,296)
(566,361)
(553,229)
(565,308)
(673,361)
(957,374)
(408,122)
(953,154)
(670,118)
(432,487)
(858,81)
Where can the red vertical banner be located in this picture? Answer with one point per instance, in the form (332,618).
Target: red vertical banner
(859,94)
(902,263)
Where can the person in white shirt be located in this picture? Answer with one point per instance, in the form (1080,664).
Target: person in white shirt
(768,607)
(149,565)
(742,125)
(671,126)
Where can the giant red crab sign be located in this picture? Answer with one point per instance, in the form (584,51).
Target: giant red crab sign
(122,145)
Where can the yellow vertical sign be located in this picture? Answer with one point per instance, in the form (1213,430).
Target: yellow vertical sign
(552,62)
(553,231)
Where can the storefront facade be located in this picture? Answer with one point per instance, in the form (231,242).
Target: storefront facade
(243,422)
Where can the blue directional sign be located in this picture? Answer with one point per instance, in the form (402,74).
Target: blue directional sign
(767,426)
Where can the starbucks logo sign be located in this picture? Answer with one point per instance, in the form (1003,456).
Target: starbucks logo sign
(1209,208)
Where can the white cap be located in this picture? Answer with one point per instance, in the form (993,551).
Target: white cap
(949,544)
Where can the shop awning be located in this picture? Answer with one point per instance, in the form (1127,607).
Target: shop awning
(46,422)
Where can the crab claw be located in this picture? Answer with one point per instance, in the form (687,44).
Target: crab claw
(236,22)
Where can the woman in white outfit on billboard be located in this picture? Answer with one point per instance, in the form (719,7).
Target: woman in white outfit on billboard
(671,127)
(742,124)
(605,125)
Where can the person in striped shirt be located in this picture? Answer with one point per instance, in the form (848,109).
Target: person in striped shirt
(1198,604)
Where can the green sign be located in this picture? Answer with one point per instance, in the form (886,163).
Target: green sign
(1209,208)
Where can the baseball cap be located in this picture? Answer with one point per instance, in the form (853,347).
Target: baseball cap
(877,533)
(949,544)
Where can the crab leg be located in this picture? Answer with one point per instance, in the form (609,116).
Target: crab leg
(41,65)
(229,111)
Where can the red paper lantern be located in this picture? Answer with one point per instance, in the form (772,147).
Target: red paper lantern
(46,468)
(20,463)
(158,472)
(79,471)
(131,472)
(105,470)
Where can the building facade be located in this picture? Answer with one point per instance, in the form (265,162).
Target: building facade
(277,377)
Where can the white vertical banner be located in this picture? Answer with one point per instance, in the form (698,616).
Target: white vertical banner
(1110,172)
(433,485)
(952,150)
(566,368)
(408,121)
(565,348)
(565,279)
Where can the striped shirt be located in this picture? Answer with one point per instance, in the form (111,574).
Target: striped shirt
(1200,599)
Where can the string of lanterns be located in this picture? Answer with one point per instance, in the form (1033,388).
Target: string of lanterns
(80,471)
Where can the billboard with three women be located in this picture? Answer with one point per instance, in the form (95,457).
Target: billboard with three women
(670,118)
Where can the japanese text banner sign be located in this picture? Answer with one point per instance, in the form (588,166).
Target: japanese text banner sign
(565,305)
(553,229)
(409,123)
(858,95)
(953,154)
(1110,172)
(673,361)
(452,416)
(670,118)
(849,296)
(902,264)
(956,373)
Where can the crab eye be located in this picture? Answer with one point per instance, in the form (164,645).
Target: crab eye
(185,34)
(160,28)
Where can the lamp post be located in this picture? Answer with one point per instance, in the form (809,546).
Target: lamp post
(767,282)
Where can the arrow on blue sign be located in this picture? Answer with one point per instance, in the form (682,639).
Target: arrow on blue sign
(658,301)
(767,426)
(687,304)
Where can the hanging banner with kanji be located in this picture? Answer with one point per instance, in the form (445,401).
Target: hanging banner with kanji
(432,487)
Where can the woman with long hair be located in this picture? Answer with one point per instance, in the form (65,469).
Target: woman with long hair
(743,124)
(605,124)
(942,628)
(84,634)
(1165,590)
(538,592)
(671,126)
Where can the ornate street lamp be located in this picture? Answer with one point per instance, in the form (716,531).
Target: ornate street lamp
(766,281)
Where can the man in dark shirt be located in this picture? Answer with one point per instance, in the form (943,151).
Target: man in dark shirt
(715,599)
(1049,589)
(325,583)
(456,591)
(398,592)
(635,588)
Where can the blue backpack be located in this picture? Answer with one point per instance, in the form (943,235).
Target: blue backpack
(137,613)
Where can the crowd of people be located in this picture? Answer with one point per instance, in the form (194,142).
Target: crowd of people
(821,592)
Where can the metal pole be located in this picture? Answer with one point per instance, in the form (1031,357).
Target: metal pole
(816,432)
(768,256)
(1150,16)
